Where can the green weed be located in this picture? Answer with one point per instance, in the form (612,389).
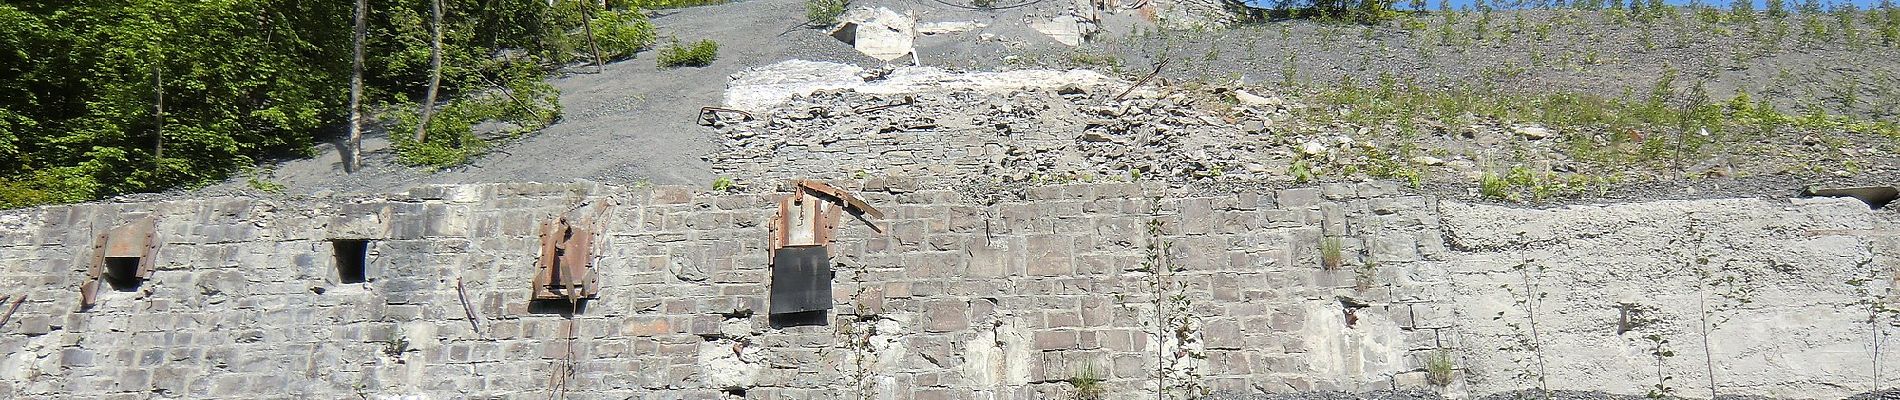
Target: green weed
(698,54)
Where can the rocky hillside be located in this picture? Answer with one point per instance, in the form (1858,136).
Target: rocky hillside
(1526,105)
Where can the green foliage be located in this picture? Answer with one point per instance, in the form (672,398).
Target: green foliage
(1089,384)
(1347,11)
(723,184)
(660,4)
(256,179)
(698,54)
(452,138)
(1331,253)
(1438,368)
(622,33)
(244,80)
(1301,171)
(824,12)
(240,79)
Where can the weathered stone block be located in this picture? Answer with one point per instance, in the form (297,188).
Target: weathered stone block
(1049,255)
(1298,198)
(1056,339)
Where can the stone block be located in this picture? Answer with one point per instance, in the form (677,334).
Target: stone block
(946,316)
(1222,333)
(1389,248)
(1056,339)
(1298,198)
(647,326)
(1049,255)
(672,195)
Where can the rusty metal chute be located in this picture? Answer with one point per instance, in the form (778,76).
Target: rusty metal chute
(801,234)
(123,256)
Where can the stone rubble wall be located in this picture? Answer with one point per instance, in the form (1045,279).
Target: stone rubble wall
(959,300)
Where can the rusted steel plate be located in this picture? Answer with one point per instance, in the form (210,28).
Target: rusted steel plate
(564,269)
(801,279)
(129,240)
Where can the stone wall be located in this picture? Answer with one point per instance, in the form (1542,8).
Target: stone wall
(957,300)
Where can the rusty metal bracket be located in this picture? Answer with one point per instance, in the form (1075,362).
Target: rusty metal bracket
(709,114)
(565,269)
(811,214)
(1144,80)
(9,315)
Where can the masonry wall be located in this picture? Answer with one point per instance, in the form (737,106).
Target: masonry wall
(960,300)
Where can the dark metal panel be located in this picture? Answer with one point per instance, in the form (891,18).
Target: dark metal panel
(801,279)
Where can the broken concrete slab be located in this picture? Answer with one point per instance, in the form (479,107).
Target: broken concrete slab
(878,32)
(1066,29)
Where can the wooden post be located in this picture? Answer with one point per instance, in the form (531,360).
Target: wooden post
(587,25)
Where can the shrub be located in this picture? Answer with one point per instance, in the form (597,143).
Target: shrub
(622,33)
(824,12)
(526,105)
(723,184)
(699,54)
(1493,186)
(48,186)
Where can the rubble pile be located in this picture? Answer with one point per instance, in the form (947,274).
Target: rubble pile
(1063,134)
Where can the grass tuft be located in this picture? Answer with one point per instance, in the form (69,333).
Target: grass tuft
(699,54)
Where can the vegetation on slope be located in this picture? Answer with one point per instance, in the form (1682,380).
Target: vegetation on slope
(101,98)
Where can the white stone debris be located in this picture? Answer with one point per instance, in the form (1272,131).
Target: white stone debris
(1532,132)
(948,27)
(760,89)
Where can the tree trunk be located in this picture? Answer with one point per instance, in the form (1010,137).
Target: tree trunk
(356,93)
(158,102)
(587,25)
(435,71)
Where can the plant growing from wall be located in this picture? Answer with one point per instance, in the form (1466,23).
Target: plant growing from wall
(1528,337)
(1365,276)
(1438,368)
(1089,385)
(1331,253)
(1659,349)
(1174,321)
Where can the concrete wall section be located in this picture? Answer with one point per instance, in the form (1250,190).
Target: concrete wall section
(1139,287)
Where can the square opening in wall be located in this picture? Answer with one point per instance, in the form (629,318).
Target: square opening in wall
(351,257)
(123,273)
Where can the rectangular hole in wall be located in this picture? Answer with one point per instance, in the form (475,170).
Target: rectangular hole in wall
(352,256)
(123,273)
